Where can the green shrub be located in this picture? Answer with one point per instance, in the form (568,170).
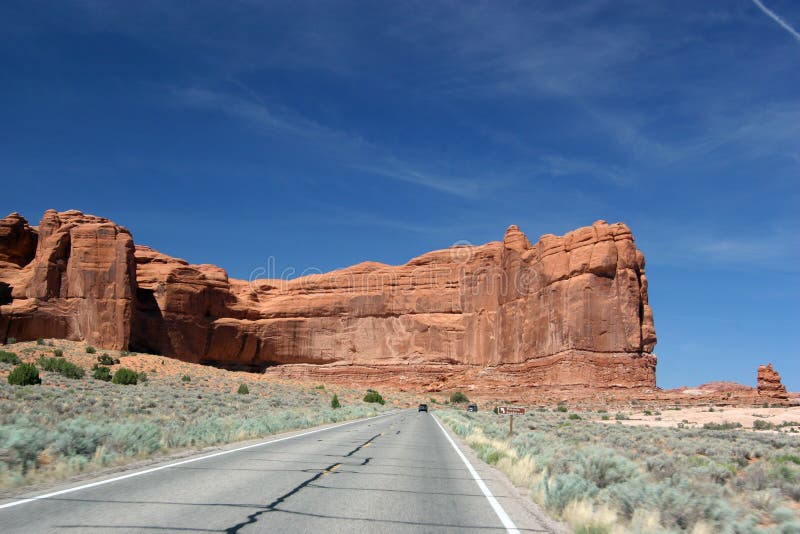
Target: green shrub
(561,408)
(373,396)
(605,417)
(105,359)
(320,386)
(11,341)
(186,378)
(457,397)
(9,357)
(40,341)
(90,350)
(141,377)
(603,467)
(335,402)
(562,489)
(575,417)
(760,424)
(25,374)
(62,367)
(58,353)
(621,417)
(124,353)
(243,389)
(125,376)
(100,372)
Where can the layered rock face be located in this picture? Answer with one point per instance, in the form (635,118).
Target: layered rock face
(78,284)
(566,311)
(769,383)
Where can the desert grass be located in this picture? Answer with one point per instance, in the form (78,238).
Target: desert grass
(601,477)
(67,426)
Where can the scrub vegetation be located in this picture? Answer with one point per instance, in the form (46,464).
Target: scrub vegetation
(601,477)
(70,421)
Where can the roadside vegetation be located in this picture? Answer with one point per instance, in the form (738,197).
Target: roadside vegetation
(67,421)
(606,478)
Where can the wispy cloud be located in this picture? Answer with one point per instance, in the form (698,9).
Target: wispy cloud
(774,16)
(775,247)
(467,188)
(558,166)
(351,150)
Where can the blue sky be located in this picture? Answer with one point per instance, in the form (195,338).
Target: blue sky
(327,133)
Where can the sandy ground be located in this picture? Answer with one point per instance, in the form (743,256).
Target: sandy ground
(697,416)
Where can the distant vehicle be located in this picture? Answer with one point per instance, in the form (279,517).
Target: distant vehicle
(423,407)
(472,408)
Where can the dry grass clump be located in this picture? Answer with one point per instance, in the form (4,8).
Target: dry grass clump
(617,478)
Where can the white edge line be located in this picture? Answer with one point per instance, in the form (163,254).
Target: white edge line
(182,462)
(511,528)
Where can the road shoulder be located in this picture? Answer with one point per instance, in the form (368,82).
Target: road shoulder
(527,516)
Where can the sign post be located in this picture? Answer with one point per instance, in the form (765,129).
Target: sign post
(510,410)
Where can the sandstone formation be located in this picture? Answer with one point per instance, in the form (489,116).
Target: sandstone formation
(78,284)
(568,311)
(769,383)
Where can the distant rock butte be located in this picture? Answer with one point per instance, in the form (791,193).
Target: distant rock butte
(567,312)
(769,383)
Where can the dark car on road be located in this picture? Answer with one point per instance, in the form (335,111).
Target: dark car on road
(472,408)
(423,407)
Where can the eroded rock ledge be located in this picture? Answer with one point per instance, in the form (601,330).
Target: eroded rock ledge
(568,311)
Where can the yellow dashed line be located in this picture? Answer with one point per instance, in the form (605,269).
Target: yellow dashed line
(332,469)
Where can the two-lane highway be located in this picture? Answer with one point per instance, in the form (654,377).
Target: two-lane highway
(394,473)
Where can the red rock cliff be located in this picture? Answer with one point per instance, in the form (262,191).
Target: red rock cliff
(567,311)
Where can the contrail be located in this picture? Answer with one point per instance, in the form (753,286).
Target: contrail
(774,16)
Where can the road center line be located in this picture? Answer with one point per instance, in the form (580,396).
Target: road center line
(182,462)
(511,528)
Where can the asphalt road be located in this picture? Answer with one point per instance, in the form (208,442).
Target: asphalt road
(395,473)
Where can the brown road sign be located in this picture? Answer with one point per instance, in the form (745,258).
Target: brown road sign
(510,410)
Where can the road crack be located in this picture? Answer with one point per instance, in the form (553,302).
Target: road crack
(254,517)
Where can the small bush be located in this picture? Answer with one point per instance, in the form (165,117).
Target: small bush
(124,353)
(25,374)
(243,389)
(562,489)
(40,341)
(760,424)
(373,396)
(9,357)
(11,341)
(62,367)
(141,377)
(186,378)
(58,353)
(605,417)
(621,417)
(90,350)
(574,417)
(105,359)
(320,386)
(125,376)
(457,397)
(100,372)
(335,402)
(561,408)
